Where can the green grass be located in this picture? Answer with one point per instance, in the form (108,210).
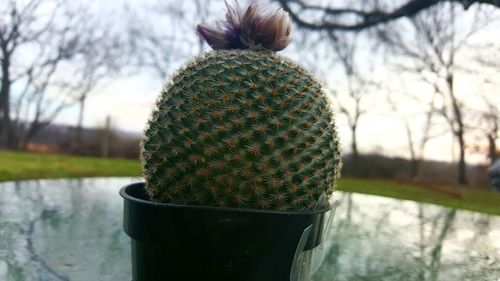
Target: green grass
(22,166)
(462,197)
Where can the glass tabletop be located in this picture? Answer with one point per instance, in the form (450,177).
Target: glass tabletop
(72,230)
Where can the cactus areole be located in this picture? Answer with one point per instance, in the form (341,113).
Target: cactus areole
(242,126)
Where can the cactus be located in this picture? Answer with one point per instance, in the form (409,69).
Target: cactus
(241,126)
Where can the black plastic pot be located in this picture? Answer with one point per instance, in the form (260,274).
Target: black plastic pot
(178,242)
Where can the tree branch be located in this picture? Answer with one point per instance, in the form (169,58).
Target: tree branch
(363,19)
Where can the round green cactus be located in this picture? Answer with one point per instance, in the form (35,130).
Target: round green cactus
(241,128)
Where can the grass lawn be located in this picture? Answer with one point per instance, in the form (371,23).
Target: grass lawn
(22,165)
(462,198)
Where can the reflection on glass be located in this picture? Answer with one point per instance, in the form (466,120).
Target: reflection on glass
(376,238)
(63,230)
(72,230)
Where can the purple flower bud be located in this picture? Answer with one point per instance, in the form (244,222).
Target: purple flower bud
(254,28)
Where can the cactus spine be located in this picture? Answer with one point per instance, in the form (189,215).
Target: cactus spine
(241,128)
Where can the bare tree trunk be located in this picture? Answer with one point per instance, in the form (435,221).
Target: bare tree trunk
(414,163)
(458,131)
(77,143)
(354,148)
(492,148)
(492,137)
(462,177)
(33,129)
(425,137)
(106,138)
(5,124)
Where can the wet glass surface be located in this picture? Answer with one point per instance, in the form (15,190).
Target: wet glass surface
(72,230)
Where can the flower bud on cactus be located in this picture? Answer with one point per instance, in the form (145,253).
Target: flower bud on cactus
(241,126)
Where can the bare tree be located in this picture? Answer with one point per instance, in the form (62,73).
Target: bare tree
(202,13)
(41,43)
(489,116)
(345,47)
(105,134)
(367,15)
(490,119)
(154,49)
(430,49)
(416,145)
(101,59)
(160,49)
(348,88)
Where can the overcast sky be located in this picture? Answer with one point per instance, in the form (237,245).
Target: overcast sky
(129,101)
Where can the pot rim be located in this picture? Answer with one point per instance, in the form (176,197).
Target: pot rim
(125,195)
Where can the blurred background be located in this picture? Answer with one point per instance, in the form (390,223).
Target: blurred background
(414,83)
